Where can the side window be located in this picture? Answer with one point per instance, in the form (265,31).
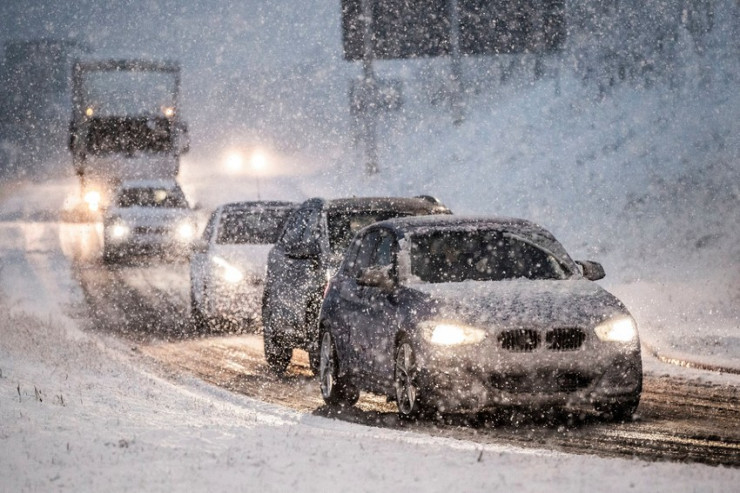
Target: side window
(210,226)
(365,251)
(295,227)
(384,250)
(312,228)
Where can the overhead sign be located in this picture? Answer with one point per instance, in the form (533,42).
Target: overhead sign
(412,28)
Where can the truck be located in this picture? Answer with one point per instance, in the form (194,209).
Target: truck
(125,125)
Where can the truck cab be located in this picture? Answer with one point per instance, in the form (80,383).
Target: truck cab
(125,125)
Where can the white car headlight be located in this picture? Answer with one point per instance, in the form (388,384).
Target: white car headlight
(185,231)
(119,230)
(226,271)
(619,329)
(452,334)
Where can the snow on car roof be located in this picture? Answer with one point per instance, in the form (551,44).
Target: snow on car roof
(258,204)
(417,223)
(416,204)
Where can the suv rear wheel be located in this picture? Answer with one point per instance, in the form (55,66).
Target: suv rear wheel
(278,356)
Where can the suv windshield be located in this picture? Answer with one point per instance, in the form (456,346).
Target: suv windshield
(455,256)
(344,224)
(251,226)
(152,197)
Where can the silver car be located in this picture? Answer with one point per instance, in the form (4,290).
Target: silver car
(228,263)
(148,217)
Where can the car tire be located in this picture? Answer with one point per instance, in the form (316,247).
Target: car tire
(336,390)
(196,314)
(314,359)
(278,356)
(408,393)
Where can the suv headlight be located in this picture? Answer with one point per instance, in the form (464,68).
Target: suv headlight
(619,329)
(226,271)
(185,231)
(451,334)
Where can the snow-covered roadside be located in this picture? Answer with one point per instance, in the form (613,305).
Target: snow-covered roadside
(78,413)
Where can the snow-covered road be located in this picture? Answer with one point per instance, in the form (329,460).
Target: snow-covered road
(81,411)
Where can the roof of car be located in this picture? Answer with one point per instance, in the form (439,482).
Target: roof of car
(422,204)
(149,183)
(417,223)
(258,204)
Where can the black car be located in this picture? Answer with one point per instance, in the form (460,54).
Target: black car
(466,314)
(306,256)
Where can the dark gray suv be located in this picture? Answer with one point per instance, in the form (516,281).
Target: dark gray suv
(305,257)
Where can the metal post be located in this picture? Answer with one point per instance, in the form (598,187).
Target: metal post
(457,104)
(369,92)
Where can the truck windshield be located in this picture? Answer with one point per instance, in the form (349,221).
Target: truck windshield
(128,93)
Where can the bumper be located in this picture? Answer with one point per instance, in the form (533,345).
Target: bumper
(466,381)
(147,244)
(240,304)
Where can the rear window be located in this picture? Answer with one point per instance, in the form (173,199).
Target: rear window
(152,197)
(250,226)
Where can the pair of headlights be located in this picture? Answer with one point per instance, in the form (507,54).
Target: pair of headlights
(619,329)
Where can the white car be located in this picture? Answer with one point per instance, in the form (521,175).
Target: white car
(148,217)
(228,263)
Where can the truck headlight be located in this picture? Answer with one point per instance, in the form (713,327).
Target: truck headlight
(619,329)
(452,334)
(226,271)
(92,199)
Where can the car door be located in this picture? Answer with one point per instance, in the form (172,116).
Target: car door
(292,269)
(350,303)
(377,319)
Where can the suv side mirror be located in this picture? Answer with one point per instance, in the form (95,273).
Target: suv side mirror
(377,277)
(593,271)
